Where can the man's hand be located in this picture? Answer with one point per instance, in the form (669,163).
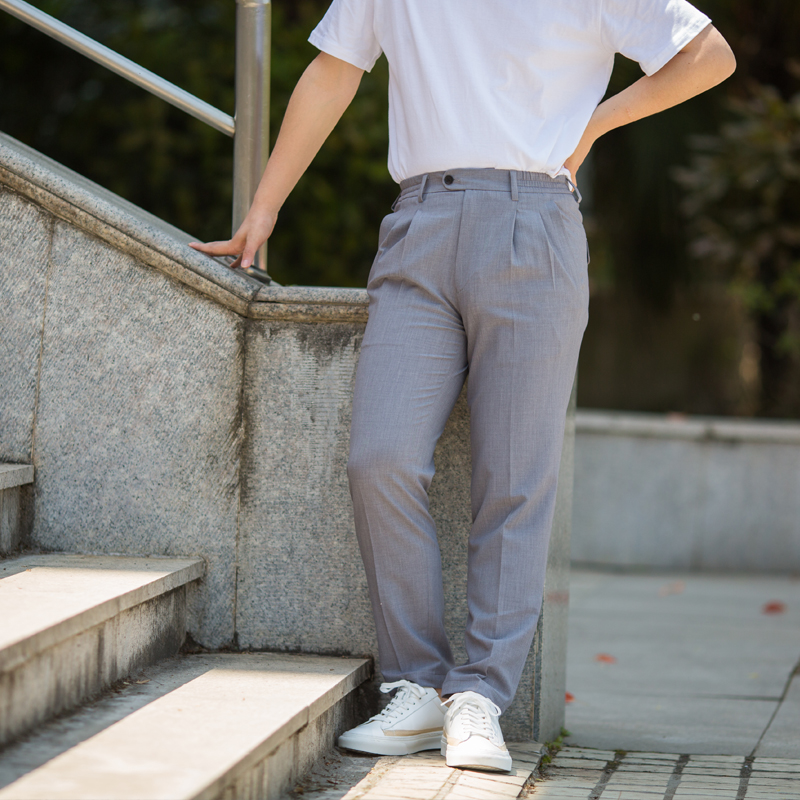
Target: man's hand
(252,233)
(706,61)
(320,98)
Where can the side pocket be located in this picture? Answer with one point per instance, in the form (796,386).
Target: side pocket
(394,229)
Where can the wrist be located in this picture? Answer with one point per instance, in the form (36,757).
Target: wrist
(264,207)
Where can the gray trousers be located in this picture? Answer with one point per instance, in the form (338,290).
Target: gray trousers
(484,272)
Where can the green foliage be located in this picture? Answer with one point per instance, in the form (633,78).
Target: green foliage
(327,230)
(743,198)
(113,132)
(742,204)
(177,167)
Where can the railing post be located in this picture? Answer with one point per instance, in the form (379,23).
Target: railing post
(251,137)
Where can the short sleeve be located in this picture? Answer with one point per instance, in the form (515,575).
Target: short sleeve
(650,31)
(347,32)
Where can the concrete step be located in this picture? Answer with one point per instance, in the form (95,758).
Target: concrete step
(243,726)
(14,478)
(73,624)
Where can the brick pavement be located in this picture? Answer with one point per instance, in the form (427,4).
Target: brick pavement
(583,774)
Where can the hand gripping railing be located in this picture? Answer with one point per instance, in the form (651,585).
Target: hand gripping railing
(249,128)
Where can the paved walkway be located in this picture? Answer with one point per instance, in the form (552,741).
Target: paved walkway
(699,664)
(578,774)
(682,687)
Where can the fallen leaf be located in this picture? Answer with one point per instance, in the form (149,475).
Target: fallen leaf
(676,587)
(146,681)
(605,658)
(568,697)
(774,607)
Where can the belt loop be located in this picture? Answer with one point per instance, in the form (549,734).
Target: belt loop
(514,190)
(422,187)
(575,189)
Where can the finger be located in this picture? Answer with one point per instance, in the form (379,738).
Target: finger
(249,254)
(228,248)
(236,263)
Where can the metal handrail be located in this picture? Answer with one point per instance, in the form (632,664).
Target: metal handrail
(249,128)
(119,64)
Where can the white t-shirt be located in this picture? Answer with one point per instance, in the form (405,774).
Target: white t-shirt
(509,84)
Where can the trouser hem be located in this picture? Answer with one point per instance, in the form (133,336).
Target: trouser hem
(425,679)
(476,685)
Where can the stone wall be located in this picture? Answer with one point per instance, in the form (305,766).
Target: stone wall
(173,407)
(687,493)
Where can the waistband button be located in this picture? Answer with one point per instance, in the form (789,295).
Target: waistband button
(448,179)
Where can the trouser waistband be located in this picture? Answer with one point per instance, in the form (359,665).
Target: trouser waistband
(490,180)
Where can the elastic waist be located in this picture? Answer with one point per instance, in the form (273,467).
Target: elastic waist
(488,180)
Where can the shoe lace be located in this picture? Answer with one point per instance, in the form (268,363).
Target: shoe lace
(406,690)
(475,713)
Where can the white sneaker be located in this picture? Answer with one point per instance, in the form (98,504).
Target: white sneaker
(472,737)
(411,722)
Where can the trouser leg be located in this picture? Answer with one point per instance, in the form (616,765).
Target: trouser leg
(524,305)
(410,372)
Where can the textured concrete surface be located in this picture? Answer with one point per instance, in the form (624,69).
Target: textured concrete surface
(548,670)
(46,599)
(10,520)
(14,499)
(423,776)
(687,493)
(138,430)
(580,774)
(782,738)
(12,475)
(83,203)
(682,663)
(301,583)
(24,251)
(202,726)
(73,625)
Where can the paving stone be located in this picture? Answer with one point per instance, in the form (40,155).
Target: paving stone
(584,752)
(651,768)
(575,763)
(789,764)
(715,759)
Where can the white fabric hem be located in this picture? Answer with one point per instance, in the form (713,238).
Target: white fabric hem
(333,49)
(666,55)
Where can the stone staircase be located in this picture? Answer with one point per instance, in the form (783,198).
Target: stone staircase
(105,632)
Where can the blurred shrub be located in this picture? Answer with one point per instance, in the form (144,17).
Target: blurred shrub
(178,168)
(742,204)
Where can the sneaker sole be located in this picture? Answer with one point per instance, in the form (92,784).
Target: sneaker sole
(467,758)
(391,745)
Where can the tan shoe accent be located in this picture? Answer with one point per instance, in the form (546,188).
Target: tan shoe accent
(410,733)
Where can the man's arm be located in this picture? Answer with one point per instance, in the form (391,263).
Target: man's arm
(321,96)
(706,61)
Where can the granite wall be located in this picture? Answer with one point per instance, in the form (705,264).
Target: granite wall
(675,492)
(172,407)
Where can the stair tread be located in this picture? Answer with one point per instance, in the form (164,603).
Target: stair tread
(199,719)
(12,475)
(45,599)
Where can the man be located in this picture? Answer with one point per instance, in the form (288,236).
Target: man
(481,269)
